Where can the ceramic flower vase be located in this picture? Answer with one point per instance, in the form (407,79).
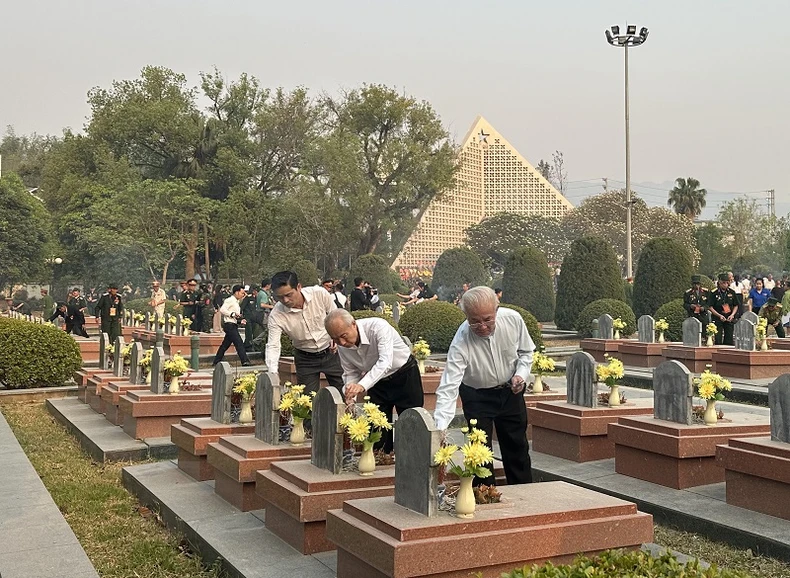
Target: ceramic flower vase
(186,331)
(617,334)
(367,461)
(710,416)
(709,343)
(174,388)
(614,395)
(537,386)
(297,432)
(661,337)
(764,344)
(421,365)
(246,410)
(465,499)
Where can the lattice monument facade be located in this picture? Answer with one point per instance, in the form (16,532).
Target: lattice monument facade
(492,178)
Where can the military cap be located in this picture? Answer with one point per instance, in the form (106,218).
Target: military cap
(724,277)
(112,285)
(773,301)
(696,279)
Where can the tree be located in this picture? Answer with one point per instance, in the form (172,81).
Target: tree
(589,272)
(713,255)
(744,223)
(687,198)
(25,155)
(454,267)
(544,169)
(375,270)
(558,171)
(662,274)
(528,284)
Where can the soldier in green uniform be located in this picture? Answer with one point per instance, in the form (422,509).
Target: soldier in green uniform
(772,311)
(110,309)
(78,304)
(724,310)
(47,304)
(190,301)
(695,301)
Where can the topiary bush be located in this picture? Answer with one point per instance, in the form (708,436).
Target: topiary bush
(628,291)
(675,314)
(454,268)
(366,313)
(142,306)
(527,282)
(34,355)
(532,324)
(706,282)
(613,307)
(373,269)
(434,321)
(306,272)
(663,273)
(589,272)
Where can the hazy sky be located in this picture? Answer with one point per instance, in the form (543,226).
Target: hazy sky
(710,89)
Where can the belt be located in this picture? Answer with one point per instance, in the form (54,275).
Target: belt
(313,354)
(505,385)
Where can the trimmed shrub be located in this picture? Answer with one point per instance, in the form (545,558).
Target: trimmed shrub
(454,268)
(366,313)
(286,347)
(373,269)
(675,314)
(34,355)
(142,306)
(706,282)
(663,273)
(613,307)
(306,272)
(589,272)
(628,291)
(389,298)
(434,321)
(527,282)
(532,324)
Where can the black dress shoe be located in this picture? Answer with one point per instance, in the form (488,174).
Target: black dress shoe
(247,363)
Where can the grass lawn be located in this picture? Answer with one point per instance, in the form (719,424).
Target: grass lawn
(121,538)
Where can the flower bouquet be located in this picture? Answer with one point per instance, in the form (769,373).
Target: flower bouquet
(661,326)
(145,363)
(761,333)
(126,353)
(541,363)
(610,373)
(710,330)
(245,386)
(110,350)
(174,368)
(138,318)
(299,406)
(421,350)
(186,323)
(710,387)
(366,429)
(618,325)
(476,454)
(386,310)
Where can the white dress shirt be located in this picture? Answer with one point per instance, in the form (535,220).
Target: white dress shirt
(229,307)
(380,353)
(304,326)
(483,362)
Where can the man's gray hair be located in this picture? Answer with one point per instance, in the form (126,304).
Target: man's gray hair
(338,314)
(478,298)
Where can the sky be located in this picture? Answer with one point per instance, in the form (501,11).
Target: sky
(709,89)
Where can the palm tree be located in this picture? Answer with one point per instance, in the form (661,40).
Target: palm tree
(687,198)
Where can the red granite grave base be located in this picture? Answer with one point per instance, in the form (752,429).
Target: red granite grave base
(778,343)
(298,495)
(694,358)
(599,348)
(89,350)
(676,455)
(128,332)
(209,343)
(757,474)
(638,354)
(532,399)
(576,433)
(150,415)
(376,538)
(193,435)
(236,459)
(112,392)
(82,375)
(751,364)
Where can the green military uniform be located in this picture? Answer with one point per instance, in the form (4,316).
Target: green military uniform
(696,301)
(190,301)
(772,311)
(724,304)
(47,306)
(110,309)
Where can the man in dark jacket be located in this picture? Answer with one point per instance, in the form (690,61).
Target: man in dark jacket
(359,297)
(110,309)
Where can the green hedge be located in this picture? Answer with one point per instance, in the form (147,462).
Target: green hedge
(34,355)
(434,321)
(706,282)
(375,270)
(527,283)
(613,307)
(675,314)
(454,268)
(532,324)
(663,273)
(589,272)
(306,272)
(366,313)
(142,306)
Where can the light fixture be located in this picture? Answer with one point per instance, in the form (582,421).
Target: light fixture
(631,29)
(616,30)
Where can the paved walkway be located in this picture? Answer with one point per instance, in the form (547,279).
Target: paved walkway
(37,542)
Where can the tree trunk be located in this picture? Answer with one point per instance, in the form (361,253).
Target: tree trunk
(206,251)
(190,248)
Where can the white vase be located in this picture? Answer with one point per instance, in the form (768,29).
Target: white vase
(710,417)
(709,343)
(186,331)
(421,365)
(246,411)
(367,461)
(661,337)
(764,344)
(537,386)
(297,432)
(614,395)
(617,334)
(465,499)
(174,388)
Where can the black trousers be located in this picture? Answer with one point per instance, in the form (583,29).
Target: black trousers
(310,366)
(506,411)
(78,325)
(400,391)
(780,330)
(232,337)
(725,335)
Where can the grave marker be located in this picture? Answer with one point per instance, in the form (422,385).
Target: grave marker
(221,390)
(646,327)
(581,380)
(606,326)
(779,403)
(135,374)
(179,324)
(751,316)
(744,334)
(158,384)
(147,321)
(267,416)
(673,392)
(168,329)
(396,313)
(103,339)
(692,332)
(117,358)
(416,474)
(327,445)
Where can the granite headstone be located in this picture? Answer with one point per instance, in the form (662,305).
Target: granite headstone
(117,359)
(779,404)
(673,392)
(158,384)
(148,321)
(692,332)
(221,390)
(744,334)
(179,324)
(135,374)
(267,416)
(751,316)
(104,339)
(327,444)
(416,473)
(395,313)
(581,380)
(646,327)
(606,326)
(168,328)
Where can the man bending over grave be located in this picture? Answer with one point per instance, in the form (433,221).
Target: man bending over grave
(488,363)
(376,362)
(300,314)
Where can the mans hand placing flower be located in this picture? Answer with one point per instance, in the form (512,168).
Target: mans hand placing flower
(352,391)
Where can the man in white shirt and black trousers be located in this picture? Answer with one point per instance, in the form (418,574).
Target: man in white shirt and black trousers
(488,363)
(231,316)
(300,313)
(376,362)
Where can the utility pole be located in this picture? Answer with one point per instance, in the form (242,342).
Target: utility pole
(772,202)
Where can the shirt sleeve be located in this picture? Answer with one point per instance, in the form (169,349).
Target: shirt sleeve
(525,347)
(384,345)
(350,373)
(226,309)
(273,346)
(447,391)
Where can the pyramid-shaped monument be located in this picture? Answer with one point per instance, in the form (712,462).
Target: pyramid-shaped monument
(492,178)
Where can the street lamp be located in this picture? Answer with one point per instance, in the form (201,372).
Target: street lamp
(626,40)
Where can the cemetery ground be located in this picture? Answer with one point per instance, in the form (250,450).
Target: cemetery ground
(122,539)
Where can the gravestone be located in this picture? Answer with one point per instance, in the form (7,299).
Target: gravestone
(156,321)
(744,334)
(327,445)
(267,416)
(158,384)
(395,313)
(751,316)
(646,327)
(168,329)
(103,359)
(581,380)
(416,474)
(606,326)
(221,390)
(673,392)
(147,321)
(692,332)
(135,374)
(179,324)
(117,359)
(779,404)
(131,317)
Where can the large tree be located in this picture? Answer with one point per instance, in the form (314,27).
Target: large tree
(744,222)
(713,254)
(25,155)
(687,198)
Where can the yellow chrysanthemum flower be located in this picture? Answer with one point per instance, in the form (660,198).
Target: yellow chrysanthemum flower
(359,430)
(477,436)
(370,407)
(345,420)
(476,454)
(706,390)
(445,454)
(286,404)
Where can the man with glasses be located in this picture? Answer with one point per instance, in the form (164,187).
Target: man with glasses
(158,298)
(488,363)
(189,301)
(231,317)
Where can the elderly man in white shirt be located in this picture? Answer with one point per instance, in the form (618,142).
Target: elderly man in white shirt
(231,316)
(376,362)
(488,363)
(300,313)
